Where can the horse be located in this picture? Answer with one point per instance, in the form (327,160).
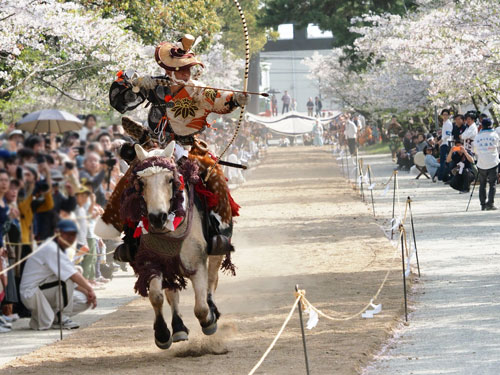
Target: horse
(159,183)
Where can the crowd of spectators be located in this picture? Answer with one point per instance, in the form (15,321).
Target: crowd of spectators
(450,154)
(48,177)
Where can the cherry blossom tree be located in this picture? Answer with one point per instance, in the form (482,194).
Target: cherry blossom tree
(222,68)
(452,45)
(60,54)
(445,52)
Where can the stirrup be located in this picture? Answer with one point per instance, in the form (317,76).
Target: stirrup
(220,245)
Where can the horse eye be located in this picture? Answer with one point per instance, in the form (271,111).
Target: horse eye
(170,180)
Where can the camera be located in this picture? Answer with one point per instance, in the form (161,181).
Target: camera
(40,158)
(41,186)
(80,150)
(109,160)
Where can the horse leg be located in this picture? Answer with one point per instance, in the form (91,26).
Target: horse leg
(207,319)
(163,339)
(214,263)
(179,330)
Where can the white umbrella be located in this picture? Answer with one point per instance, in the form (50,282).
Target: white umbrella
(49,121)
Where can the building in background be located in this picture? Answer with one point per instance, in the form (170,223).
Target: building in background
(281,66)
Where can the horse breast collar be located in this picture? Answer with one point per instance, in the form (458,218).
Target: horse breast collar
(169,244)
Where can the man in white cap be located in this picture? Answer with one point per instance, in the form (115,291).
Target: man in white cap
(39,287)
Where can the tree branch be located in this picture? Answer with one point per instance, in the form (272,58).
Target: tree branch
(10,15)
(61,91)
(4,92)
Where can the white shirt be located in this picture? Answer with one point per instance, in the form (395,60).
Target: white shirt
(84,131)
(468,136)
(81,213)
(350,129)
(486,147)
(446,132)
(41,268)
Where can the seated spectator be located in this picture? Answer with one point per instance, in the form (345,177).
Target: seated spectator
(405,155)
(421,142)
(39,284)
(460,162)
(431,163)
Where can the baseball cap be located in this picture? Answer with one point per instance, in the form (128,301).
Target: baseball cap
(15,132)
(486,123)
(67,226)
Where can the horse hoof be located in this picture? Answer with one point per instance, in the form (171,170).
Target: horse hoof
(211,327)
(162,345)
(163,338)
(210,330)
(180,336)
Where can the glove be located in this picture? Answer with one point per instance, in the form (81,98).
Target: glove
(145,82)
(240,98)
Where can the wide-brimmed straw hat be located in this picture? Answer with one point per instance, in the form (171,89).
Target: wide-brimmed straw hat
(177,56)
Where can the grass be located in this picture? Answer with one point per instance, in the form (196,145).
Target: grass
(377,148)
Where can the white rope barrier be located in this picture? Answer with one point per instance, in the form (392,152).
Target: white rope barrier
(266,353)
(27,256)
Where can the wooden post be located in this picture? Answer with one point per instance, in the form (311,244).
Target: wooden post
(414,239)
(302,330)
(404,275)
(393,204)
(371,190)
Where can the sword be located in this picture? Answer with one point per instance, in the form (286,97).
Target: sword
(234,165)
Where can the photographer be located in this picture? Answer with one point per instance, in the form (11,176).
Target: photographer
(39,284)
(35,197)
(47,221)
(105,140)
(460,162)
(94,174)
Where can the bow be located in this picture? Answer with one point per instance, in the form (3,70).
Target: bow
(245,86)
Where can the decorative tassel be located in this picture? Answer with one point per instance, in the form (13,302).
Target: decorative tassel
(140,230)
(170,221)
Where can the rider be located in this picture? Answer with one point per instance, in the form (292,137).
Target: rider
(178,113)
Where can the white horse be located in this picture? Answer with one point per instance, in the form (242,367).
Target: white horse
(202,270)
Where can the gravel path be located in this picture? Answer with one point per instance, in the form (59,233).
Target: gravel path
(300,224)
(454,327)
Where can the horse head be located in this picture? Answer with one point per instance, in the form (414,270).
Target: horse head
(157,174)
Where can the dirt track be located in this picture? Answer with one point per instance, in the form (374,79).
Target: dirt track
(300,223)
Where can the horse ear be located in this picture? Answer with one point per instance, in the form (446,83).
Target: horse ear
(141,154)
(169,150)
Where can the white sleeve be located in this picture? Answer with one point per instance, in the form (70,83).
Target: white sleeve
(67,268)
(469,133)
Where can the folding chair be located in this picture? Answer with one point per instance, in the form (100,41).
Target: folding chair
(419,160)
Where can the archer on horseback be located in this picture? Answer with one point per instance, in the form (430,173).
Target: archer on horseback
(179,108)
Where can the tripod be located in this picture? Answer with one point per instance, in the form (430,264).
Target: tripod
(472,193)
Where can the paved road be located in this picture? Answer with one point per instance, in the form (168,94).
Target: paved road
(454,328)
(22,340)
